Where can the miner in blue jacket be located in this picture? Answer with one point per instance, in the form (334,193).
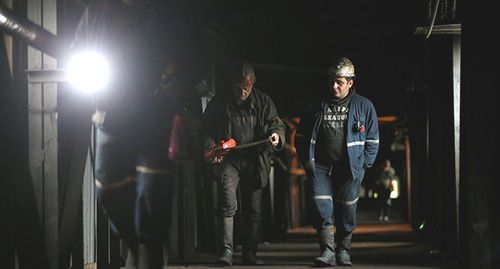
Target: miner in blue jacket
(337,140)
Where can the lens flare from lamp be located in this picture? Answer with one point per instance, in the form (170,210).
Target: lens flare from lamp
(88,71)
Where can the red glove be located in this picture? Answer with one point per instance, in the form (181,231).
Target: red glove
(216,154)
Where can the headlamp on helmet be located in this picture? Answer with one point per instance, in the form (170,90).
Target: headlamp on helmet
(342,68)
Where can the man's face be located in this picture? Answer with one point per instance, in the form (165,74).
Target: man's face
(340,87)
(243,89)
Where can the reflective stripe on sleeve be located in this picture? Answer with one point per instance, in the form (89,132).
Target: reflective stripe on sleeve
(149,170)
(323,197)
(355,143)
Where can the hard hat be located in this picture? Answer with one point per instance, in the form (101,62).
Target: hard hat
(342,67)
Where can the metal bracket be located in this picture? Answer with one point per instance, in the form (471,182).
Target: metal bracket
(46,75)
(444,29)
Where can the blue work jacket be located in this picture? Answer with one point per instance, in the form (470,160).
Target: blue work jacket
(362,145)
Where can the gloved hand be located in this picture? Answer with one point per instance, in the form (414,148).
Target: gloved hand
(216,154)
(275,139)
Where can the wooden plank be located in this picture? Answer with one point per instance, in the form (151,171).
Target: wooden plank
(50,171)
(42,124)
(36,154)
(89,215)
(49,121)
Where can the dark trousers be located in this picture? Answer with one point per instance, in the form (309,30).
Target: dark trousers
(384,202)
(238,172)
(134,178)
(135,193)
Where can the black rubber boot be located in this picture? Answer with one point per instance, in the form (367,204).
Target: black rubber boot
(131,246)
(132,258)
(249,250)
(327,247)
(249,257)
(226,257)
(150,256)
(344,250)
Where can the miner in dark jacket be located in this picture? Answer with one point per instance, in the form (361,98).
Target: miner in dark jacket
(246,115)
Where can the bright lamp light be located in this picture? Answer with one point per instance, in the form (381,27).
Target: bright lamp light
(88,71)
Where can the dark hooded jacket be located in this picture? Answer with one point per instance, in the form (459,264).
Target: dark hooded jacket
(217,127)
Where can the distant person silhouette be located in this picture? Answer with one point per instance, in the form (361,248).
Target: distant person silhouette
(384,187)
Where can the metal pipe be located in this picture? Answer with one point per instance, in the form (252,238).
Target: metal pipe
(31,33)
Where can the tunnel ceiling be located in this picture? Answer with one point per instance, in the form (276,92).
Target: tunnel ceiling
(303,35)
(377,35)
(301,32)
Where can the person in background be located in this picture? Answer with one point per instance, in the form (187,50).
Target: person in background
(134,178)
(247,115)
(337,140)
(384,187)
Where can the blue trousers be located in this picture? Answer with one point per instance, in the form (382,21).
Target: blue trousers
(335,195)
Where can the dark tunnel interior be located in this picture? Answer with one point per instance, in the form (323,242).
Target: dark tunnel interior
(429,67)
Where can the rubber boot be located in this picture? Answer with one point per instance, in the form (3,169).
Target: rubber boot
(327,247)
(344,250)
(130,245)
(249,249)
(150,255)
(165,254)
(132,258)
(226,257)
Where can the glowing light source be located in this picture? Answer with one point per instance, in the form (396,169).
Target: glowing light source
(395,189)
(421,226)
(88,71)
